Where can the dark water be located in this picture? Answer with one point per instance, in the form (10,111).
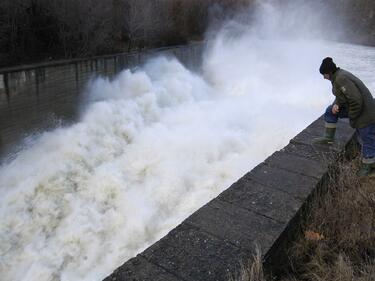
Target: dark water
(42,97)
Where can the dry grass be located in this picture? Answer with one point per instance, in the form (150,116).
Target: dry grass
(342,220)
(253,271)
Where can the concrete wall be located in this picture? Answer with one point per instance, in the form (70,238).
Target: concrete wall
(38,97)
(262,208)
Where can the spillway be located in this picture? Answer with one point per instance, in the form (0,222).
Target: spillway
(153,144)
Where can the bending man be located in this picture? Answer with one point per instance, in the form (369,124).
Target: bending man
(353,101)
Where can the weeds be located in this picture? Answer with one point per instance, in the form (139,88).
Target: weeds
(253,271)
(343,218)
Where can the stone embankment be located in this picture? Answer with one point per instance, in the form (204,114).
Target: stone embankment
(263,208)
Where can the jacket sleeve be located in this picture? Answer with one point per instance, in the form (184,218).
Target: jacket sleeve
(339,100)
(353,97)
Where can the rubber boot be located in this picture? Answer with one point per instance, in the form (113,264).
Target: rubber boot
(366,169)
(328,138)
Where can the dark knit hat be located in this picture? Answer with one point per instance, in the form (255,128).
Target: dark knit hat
(328,66)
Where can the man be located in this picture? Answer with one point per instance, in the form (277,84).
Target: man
(353,101)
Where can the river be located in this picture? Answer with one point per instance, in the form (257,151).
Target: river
(152,146)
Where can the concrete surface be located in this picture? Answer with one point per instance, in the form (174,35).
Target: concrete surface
(262,209)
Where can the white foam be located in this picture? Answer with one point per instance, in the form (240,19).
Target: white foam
(154,146)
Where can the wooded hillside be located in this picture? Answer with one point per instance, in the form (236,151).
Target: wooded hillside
(40,30)
(32,30)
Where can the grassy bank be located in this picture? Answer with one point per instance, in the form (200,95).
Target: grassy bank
(337,241)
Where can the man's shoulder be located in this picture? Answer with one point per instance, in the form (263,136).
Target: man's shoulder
(343,76)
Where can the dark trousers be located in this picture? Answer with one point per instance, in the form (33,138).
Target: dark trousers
(366,134)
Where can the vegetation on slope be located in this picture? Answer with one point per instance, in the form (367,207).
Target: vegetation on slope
(338,239)
(32,30)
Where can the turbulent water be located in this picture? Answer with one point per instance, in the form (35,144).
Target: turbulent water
(152,147)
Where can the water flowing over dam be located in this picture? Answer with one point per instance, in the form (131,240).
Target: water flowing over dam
(40,97)
(110,166)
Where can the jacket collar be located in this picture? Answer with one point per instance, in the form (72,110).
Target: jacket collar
(334,75)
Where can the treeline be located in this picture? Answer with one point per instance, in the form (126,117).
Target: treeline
(359,19)
(34,30)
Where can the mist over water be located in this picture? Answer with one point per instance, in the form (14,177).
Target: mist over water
(156,144)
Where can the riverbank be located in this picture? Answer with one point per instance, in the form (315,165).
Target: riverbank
(337,241)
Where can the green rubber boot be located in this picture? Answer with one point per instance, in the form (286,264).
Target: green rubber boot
(366,169)
(328,138)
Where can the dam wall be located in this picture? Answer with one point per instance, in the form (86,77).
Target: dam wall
(35,98)
(262,209)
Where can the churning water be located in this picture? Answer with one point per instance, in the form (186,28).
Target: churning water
(152,147)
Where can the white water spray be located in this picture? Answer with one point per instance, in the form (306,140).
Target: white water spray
(155,145)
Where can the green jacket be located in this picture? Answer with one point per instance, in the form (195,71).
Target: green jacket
(353,96)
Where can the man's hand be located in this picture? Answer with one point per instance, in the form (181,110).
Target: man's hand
(335,109)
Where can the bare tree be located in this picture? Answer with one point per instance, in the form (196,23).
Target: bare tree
(13,22)
(140,21)
(36,29)
(83,27)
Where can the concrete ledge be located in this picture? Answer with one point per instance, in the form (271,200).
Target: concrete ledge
(262,208)
(62,62)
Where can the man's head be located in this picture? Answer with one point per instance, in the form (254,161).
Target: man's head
(327,68)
